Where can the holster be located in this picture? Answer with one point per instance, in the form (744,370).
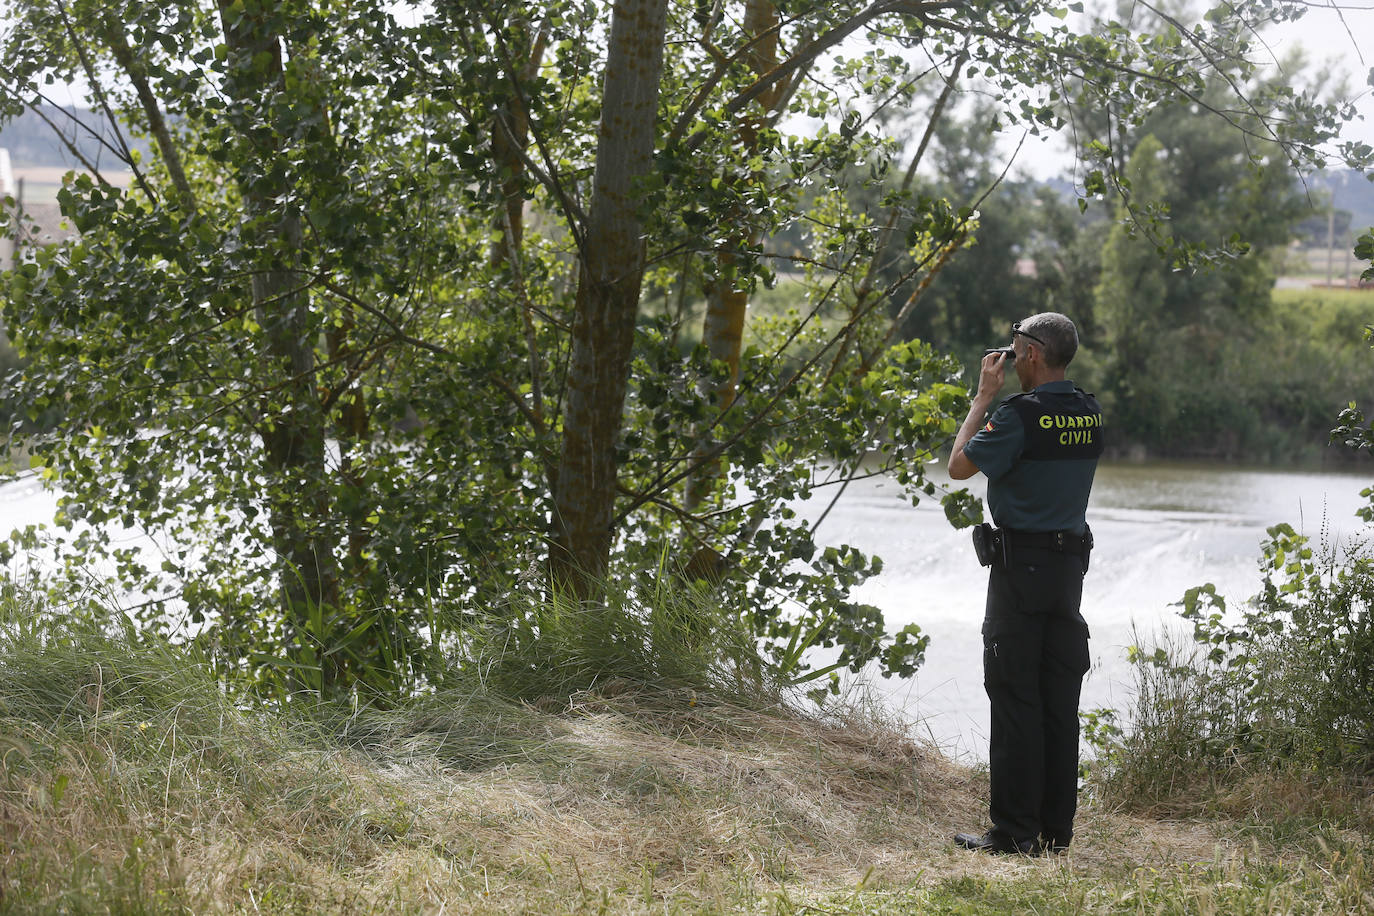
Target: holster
(987,544)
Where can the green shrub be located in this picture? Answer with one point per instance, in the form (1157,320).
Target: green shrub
(1285,686)
(1319,606)
(1262,390)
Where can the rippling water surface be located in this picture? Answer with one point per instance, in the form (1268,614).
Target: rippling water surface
(1159,529)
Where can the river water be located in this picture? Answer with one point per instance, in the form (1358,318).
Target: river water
(1159,528)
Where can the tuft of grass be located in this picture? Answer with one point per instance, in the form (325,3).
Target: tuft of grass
(1262,718)
(122,763)
(1178,759)
(664,634)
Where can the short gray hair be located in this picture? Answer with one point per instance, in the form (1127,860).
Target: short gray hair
(1059,335)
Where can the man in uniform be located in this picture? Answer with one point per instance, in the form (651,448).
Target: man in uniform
(1039,451)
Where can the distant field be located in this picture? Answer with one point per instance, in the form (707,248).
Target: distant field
(1317,264)
(42,182)
(41,174)
(1358,299)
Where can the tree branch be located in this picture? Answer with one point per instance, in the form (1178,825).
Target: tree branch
(806,56)
(126,154)
(171,157)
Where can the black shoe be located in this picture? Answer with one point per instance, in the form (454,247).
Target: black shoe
(995,841)
(1055,844)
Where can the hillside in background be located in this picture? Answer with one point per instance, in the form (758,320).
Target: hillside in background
(33,143)
(1350,191)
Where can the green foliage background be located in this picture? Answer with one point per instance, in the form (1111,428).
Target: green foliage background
(321,347)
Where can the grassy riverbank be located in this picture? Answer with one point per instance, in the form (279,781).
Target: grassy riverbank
(129,783)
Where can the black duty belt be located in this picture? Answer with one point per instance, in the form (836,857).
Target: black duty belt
(1063,541)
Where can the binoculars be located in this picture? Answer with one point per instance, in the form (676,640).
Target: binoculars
(1008,352)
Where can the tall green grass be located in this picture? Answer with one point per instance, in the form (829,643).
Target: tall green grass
(132,780)
(659,634)
(111,745)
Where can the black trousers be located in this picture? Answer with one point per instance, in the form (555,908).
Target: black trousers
(1035,653)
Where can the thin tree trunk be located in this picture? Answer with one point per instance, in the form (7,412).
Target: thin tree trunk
(294,434)
(510,140)
(353,425)
(609,280)
(723,329)
(727,301)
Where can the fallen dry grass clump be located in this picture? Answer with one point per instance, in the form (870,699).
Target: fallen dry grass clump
(130,783)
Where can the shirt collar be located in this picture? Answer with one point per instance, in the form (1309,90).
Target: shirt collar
(1058,386)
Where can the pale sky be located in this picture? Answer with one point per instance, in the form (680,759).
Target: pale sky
(1328,34)
(1324,38)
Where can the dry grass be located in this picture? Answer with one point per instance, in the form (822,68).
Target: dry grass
(626,803)
(128,783)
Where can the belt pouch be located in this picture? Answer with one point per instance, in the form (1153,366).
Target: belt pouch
(984,544)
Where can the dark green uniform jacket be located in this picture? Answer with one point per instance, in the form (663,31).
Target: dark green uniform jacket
(1039,452)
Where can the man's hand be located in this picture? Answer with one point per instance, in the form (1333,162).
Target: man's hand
(991,374)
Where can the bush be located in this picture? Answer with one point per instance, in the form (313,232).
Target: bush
(1263,390)
(1285,687)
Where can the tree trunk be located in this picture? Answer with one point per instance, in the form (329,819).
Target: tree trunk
(294,433)
(609,279)
(723,329)
(510,131)
(157,124)
(352,424)
(726,302)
